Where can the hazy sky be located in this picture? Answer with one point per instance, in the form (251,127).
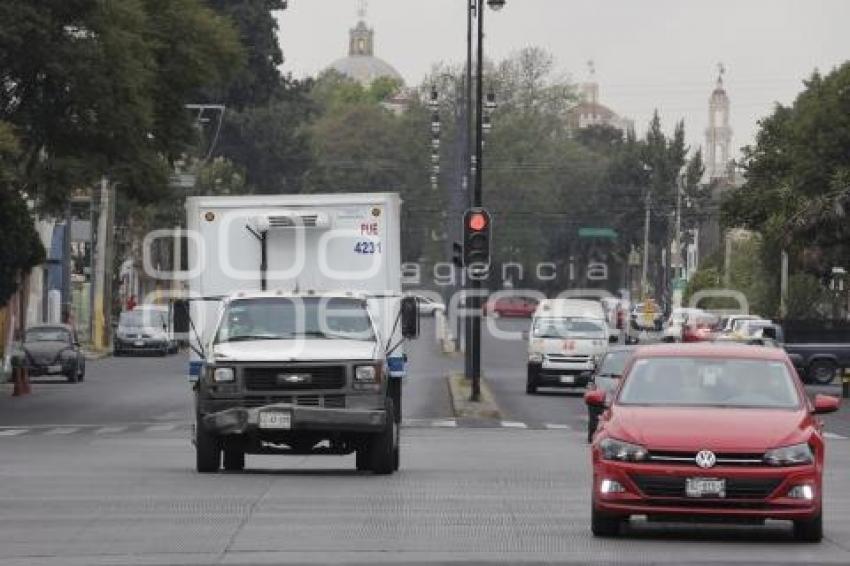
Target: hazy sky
(648,53)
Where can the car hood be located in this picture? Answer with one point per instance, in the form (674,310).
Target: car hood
(697,428)
(295,350)
(44,351)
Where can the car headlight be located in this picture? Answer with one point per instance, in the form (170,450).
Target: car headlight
(795,455)
(367,377)
(224,375)
(535,358)
(613,449)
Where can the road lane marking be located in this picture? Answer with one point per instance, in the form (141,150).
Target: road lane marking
(513,424)
(553,426)
(161,428)
(62,430)
(110,430)
(834,436)
(447,423)
(13,431)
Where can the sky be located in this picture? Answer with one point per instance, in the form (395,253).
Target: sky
(648,54)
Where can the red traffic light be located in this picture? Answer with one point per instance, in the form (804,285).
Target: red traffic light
(477,221)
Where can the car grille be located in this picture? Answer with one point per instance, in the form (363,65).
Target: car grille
(561,359)
(327,401)
(273,378)
(689,458)
(736,488)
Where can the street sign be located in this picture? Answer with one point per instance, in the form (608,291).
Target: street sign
(604,233)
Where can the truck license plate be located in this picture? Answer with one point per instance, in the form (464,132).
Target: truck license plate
(278,420)
(54,369)
(139,343)
(701,487)
(568,379)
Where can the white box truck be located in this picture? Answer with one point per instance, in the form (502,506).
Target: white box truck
(297,327)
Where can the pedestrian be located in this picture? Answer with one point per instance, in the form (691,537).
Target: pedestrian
(131,302)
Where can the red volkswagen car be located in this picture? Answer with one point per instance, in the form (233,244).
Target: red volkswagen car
(709,431)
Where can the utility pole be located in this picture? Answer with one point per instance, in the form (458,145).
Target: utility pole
(102,281)
(470,176)
(65,308)
(644,283)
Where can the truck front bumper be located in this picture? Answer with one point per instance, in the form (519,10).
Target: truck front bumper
(241,420)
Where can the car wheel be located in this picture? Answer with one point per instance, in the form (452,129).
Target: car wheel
(81,375)
(362,458)
(592,423)
(382,446)
(810,530)
(822,372)
(234,458)
(72,375)
(602,525)
(207,449)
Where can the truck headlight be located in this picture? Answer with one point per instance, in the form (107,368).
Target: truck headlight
(794,455)
(224,375)
(613,449)
(535,358)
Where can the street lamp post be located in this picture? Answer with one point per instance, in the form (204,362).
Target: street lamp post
(474,348)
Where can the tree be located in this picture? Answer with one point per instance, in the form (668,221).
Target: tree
(22,248)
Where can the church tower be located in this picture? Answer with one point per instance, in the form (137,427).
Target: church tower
(718,135)
(362,38)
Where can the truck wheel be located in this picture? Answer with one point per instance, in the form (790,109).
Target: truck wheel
(822,372)
(531,380)
(207,450)
(810,530)
(234,458)
(394,392)
(362,458)
(602,525)
(382,446)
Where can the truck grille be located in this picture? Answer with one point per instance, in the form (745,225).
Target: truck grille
(327,401)
(562,359)
(736,488)
(293,378)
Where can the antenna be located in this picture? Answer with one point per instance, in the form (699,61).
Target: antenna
(591,68)
(362,8)
(721,70)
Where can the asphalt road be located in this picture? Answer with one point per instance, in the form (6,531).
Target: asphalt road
(102,473)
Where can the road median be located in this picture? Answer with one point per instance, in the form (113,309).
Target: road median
(460,391)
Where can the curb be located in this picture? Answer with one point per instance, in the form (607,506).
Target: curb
(96,354)
(460,390)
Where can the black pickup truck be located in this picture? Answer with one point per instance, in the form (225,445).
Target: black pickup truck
(818,363)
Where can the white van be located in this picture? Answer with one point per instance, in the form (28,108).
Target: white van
(567,340)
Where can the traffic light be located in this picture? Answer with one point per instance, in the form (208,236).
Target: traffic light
(476,238)
(457,254)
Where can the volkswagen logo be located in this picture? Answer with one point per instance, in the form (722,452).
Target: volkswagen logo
(705,459)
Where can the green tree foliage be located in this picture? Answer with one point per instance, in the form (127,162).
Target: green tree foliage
(22,248)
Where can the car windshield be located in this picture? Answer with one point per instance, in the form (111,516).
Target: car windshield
(568,327)
(614,363)
(709,382)
(141,319)
(292,318)
(48,335)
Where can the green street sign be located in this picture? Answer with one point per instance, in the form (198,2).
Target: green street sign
(606,233)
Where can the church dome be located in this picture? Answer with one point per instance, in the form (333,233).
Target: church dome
(364,69)
(361,63)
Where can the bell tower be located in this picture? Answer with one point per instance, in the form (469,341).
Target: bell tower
(362,38)
(718,135)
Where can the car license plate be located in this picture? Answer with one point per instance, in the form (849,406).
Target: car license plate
(279,420)
(54,369)
(139,343)
(701,487)
(568,379)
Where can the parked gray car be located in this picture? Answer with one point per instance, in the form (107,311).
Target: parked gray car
(52,349)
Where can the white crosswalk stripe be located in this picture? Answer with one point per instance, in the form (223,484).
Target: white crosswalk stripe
(554,426)
(834,436)
(513,424)
(62,430)
(13,431)
(161,428)
(447,423)
(110,430)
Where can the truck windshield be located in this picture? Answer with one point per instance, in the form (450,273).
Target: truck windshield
(293,318)
(568,327)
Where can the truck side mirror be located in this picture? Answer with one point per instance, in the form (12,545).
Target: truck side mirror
(409,318)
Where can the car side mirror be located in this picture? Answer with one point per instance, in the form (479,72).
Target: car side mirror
(409,318)
(826,404)
(595,398)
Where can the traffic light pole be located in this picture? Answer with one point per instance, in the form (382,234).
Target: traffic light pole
(475,347)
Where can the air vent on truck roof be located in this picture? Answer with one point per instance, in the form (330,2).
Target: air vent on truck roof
(291,219)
